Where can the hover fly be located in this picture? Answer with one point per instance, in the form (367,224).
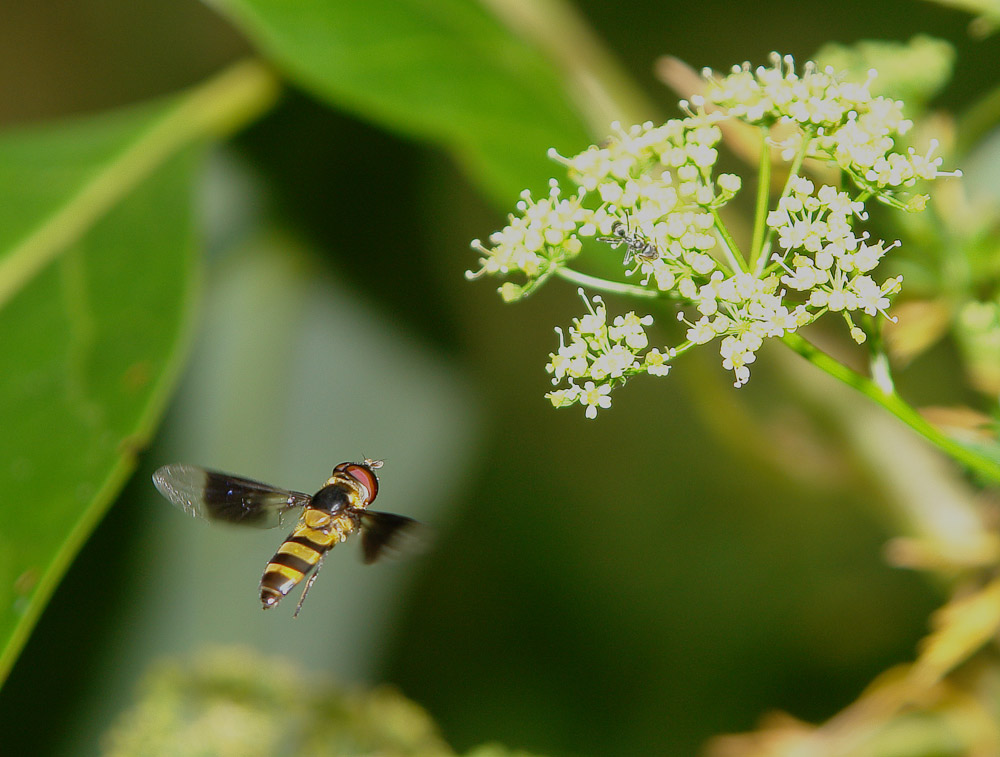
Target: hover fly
(338,510)
(636,245)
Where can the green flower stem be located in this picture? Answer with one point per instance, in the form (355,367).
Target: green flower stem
(680,349)
(793,171)
(763,194)
(731,249)
(896,405)
(603,285)
(528,289)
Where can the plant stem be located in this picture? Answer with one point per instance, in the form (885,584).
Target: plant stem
(896,405)
(604,285)
(763,194)
(732,250)
(793,171)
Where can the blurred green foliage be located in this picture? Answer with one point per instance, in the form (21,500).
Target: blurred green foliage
(234,703)
(422,71)
(914,71)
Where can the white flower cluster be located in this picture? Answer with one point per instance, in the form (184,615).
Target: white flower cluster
(826,259)
(839,121)
(654,190)
(657,177)
(541,238)
(817,99)
(637,164)
(743,310)
(601,356)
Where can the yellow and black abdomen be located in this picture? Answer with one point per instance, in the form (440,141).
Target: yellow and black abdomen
(317,532)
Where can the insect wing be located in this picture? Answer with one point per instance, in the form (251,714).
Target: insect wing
(382,531)
(221,497)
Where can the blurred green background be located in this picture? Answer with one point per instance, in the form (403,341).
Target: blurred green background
(626,586)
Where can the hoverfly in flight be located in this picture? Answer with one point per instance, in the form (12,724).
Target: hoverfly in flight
(338,510)
(636,245)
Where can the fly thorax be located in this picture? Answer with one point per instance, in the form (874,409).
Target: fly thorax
(334,498)
(343,526)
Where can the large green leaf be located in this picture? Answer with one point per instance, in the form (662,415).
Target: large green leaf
(97,272)
(445,71)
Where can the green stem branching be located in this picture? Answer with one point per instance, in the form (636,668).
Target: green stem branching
(891,401)
(763,194)
(605,285)
(793,171)
(729,247)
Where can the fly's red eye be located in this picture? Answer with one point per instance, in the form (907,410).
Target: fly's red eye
(364,475)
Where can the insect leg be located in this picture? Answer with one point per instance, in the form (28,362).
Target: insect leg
(309,584)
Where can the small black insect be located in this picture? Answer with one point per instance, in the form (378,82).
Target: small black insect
(636,245)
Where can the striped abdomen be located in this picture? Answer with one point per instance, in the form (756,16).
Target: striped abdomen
(317,532)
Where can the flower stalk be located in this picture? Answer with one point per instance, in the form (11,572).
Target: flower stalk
(763,195)
(605,285)
(891,401)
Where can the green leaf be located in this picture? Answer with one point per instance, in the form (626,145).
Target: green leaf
(445,71)
(97,272)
